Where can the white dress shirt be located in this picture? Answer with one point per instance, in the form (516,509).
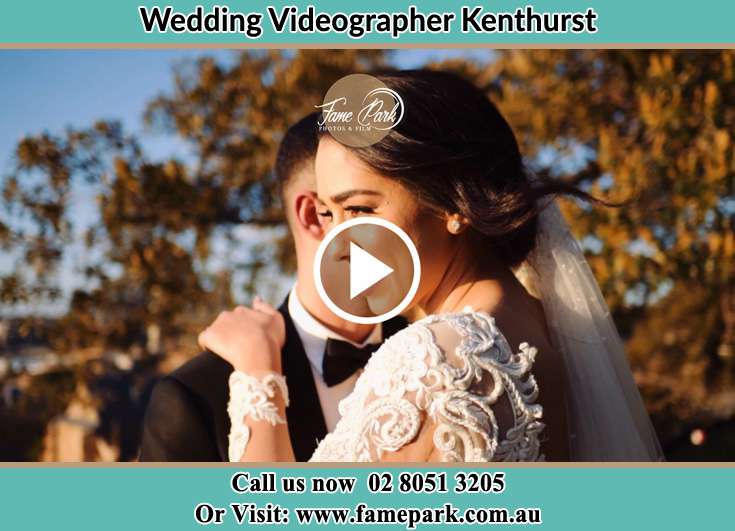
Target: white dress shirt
(314,337)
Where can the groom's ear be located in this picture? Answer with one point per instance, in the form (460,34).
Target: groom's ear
(305,206)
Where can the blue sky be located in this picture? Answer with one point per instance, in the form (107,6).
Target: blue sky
(51,90)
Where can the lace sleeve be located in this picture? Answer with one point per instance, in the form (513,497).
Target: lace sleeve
(455,373)
(252,398)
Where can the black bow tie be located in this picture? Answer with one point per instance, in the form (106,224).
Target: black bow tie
(342,359)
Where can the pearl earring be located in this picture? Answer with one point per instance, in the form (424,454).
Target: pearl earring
(454,226)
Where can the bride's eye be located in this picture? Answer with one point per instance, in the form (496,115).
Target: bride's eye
(326,214)
(359,209)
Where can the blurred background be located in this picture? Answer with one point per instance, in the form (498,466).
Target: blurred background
(137,201)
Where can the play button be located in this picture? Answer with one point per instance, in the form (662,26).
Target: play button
(367,270)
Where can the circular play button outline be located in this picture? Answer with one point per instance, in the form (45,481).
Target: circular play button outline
(339,229)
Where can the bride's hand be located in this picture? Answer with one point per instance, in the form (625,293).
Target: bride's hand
(249,339)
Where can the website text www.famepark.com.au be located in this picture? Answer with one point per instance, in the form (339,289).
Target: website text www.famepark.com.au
(378,483)
(447,514)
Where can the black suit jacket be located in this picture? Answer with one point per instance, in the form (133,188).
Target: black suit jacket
(187,419)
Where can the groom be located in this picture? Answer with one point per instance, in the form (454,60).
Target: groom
(187,417)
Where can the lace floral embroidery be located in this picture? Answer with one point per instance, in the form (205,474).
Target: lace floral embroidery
(250,397)
(410,376)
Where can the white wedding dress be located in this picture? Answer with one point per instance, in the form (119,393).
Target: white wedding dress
(454,370)
(458,373)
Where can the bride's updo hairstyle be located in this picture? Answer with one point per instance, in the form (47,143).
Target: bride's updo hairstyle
(455,150)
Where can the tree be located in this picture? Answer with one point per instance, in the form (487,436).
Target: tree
(146,251)
(653,128)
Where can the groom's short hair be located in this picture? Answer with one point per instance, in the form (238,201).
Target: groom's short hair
(297,150)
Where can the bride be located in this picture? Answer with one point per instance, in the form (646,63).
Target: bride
(512,355)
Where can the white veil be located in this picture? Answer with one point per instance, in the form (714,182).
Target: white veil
(607,418)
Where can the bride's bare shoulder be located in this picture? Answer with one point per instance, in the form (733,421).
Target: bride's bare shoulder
(550,373)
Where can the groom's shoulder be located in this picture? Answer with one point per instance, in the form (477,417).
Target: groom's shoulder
(202,373)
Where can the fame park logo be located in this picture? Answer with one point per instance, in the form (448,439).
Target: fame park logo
(359,110)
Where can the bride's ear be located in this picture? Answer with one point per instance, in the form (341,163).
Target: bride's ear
(456,224)
(305,206)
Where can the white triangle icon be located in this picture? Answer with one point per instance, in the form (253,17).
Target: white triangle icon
(365,270)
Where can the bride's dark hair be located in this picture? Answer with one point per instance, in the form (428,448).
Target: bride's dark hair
(455,150)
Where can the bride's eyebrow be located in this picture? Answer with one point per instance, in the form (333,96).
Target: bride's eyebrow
(344,196)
